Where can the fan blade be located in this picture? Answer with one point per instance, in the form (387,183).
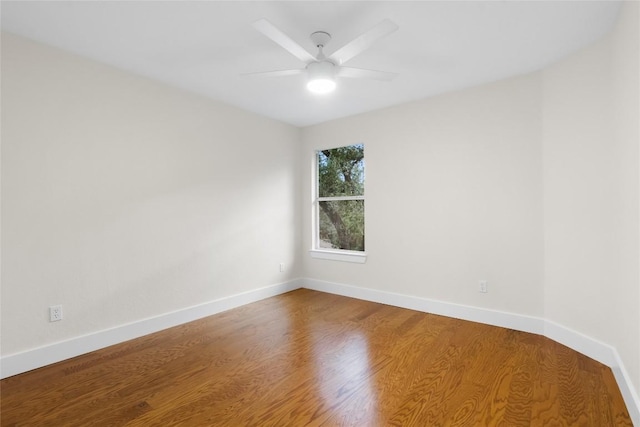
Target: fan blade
(364,41)
(271,31)
(359,73)
(277,73)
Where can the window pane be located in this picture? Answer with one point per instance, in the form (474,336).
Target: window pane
(342,225)
(341,171)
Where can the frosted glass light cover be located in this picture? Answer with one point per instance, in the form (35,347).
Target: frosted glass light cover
(321,85)
(321,77)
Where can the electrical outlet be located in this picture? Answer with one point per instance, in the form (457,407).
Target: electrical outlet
(55,313)
(281,267)
(482,286)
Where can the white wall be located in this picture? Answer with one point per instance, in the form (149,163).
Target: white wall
(124,199)
(591,189)
(626,124)
(453,196)
(531,183)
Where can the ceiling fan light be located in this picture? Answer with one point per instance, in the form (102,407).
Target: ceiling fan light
(321,86)
(321,77)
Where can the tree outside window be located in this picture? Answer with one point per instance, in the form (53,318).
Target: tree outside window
(340,198)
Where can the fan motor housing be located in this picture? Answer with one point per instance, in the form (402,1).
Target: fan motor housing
(321,70)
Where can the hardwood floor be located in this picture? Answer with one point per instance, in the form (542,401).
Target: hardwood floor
(310,358)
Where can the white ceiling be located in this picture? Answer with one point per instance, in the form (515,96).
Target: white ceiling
(204,46)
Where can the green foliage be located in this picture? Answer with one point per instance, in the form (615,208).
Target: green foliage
(342,224)
(341,173)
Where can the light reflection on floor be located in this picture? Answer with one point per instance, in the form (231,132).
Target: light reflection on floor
(341,371)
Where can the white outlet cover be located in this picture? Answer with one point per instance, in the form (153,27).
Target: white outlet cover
(55,313)
(483,286)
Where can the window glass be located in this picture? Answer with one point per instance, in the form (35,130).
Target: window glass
(340,198)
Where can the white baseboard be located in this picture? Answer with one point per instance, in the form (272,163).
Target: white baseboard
(503,319)
(581,343)
(25,361)
(603,353)
(629,394)
(17,363)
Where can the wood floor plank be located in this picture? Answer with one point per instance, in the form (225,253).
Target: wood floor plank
(308,358)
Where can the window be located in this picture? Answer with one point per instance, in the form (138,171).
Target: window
(339,199)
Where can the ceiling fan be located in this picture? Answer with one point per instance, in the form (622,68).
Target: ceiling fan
(322,70)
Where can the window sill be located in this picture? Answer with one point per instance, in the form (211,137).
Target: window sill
(346,256)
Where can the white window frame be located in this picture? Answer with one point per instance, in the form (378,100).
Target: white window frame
(331,253)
